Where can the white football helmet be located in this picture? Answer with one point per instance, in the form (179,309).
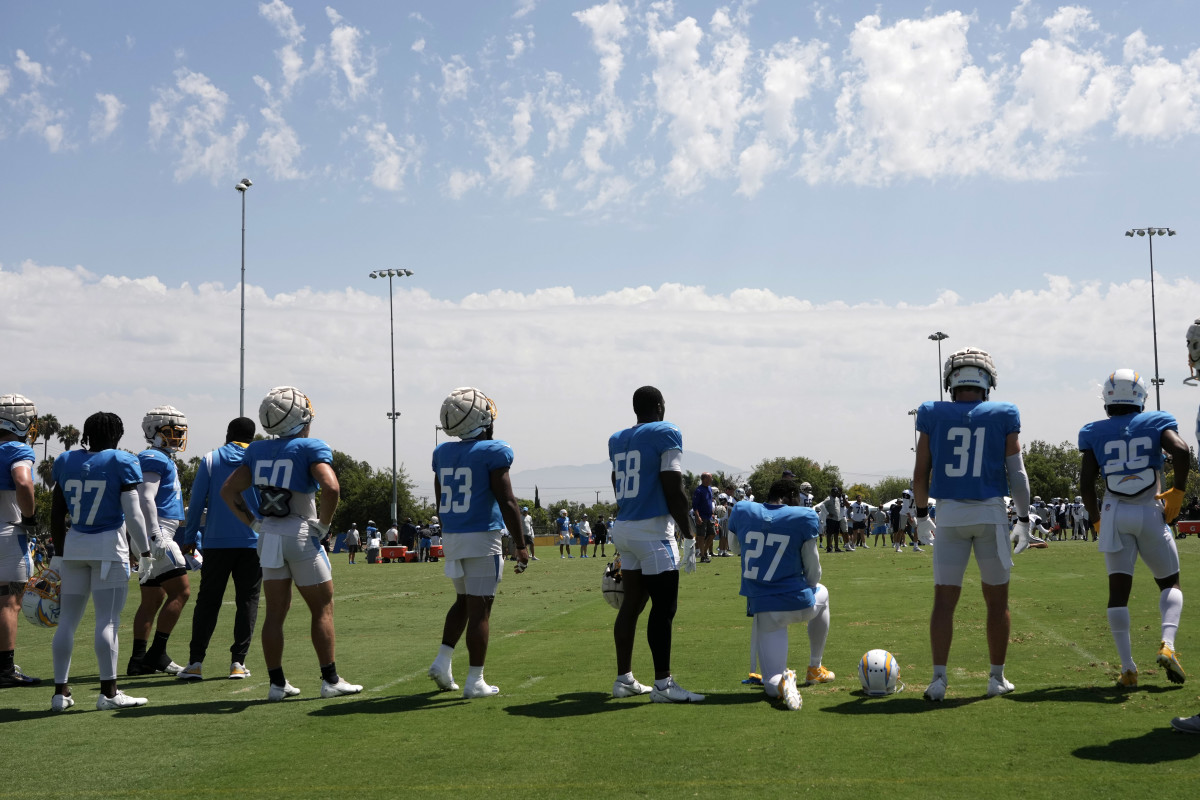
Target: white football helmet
(1037,498)
(41,601)
(879,673)
(806,487)
(18,415)
(166,426)
(739,493)
(611,585)
(971,368)
(467,412)
(1193,343)
(285,411)
(1124,387)
(1078,498)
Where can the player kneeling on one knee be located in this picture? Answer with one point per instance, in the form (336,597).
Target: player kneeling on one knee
(781,573)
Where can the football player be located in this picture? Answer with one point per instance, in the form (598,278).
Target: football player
(564,534)
(97,489)
(647,478)
(476,502)
(165,589)
(1125,451)
(18,425)
(289,472)
(230,550)
(1191,724)
(968,454)
(781,574)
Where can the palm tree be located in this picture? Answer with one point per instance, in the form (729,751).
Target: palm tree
(69,436)
(48,428)
(45,471)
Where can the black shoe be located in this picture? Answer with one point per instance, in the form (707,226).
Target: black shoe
(14,677)
(837,550)
(136,667)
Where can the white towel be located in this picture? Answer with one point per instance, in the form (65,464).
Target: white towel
(1109,541)
(1003,546)
(454,569)
(270,550)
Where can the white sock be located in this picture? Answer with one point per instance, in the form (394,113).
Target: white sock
(442,661)
(1118,623)
(661,683)
(939,671)
(474,675)
(1170,605)
(818,628)
(997,672)
(627,678)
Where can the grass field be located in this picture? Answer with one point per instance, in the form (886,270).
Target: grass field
(555,732)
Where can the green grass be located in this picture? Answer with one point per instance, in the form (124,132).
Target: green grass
(554,732)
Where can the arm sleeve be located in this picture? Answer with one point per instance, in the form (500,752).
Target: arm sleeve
(1018,483)
(812,562)
(134,521)
(147,492)
(195,509)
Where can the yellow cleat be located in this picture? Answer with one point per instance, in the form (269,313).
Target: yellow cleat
(818,674)
(1127,679)
(1168,659)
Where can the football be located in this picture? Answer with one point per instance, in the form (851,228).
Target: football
(879,673)
(611,585)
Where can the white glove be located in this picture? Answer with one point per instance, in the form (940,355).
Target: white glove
(925,529)
(1021,529)
(689,555)
(145,567)
(257,525)
(158,546)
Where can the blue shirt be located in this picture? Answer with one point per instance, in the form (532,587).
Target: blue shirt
(169,499)
(702,501)
(1127,445)
(464,471)
(221,528)
(91,483)
(967,442)
(13,453)
(286,463)
(563,522)
(636,457)
(772,567)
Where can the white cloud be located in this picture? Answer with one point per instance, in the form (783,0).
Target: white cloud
(456,79)
(419,45)
(524,7)
(391,159)
(461,182)
(191,116)
(5,80)
(291,63)
(607,25)
(35,72)
(518,44)
(1163,100)
(1018,20)
(105,118)
(279,147)
(43,120)
(1069,21)
(1048,376)
(346,52)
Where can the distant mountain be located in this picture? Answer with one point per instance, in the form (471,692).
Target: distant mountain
(579,482)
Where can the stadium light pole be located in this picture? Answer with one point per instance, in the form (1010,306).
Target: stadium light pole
(1150,233)
(913,414)
(242,186)
(938,336)
(393,414)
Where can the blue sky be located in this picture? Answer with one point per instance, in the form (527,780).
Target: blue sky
(755,205)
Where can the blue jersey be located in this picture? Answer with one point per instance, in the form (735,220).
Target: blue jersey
(12,453)
(563,522)
(286,463)
(967,444)
(464,472)
(169,500)
(221,527)
(91,484)
(1129,449)
(636,457)
(772,568)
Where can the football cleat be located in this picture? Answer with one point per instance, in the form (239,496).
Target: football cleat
(118,701)
(238,671)
(622,689)
(936,692)
(674,693)
(480,688)
(1128,679)
(754,679)
(791,695)
(192,672)
(443,678)
(818,674)
(13,676)
(342,687)
(61,702)
(1187,724)
(998,686)
(280,692)
(1168,659)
